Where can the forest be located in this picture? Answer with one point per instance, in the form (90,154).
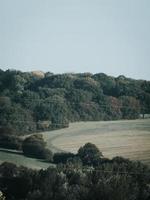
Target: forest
(33,101)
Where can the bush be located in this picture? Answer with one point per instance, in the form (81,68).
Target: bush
(34,146)
(90,154)
(46,154)
(10,142)
(62,157)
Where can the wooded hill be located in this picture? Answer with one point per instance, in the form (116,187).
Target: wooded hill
(31,102)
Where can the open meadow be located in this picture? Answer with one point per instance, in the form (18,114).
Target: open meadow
(127,138)
(20,159)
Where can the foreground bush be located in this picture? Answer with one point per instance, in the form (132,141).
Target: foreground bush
(109,181)
(62,157)
(34,146)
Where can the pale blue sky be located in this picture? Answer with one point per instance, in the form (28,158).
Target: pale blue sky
(110,36)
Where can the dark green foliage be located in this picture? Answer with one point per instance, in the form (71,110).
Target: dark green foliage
(130,107)
(18,120)
(90,154)
(116,179)
(62,157)
(107,83)
(87,84)
(31,103)
(10,142)
(108,181)
(120,160)
(34,146)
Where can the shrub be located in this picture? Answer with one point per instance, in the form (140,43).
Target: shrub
(10,142)
(34,146)
(90,154)
(62,157)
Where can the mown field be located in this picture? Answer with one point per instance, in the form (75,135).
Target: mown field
(127,138)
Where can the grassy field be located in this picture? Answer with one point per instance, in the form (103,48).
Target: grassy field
(20,159)
(128,138)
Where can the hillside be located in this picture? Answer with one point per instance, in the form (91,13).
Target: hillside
(30,103)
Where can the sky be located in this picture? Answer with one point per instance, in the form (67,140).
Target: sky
(72,36)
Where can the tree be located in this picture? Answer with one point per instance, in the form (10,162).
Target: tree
(130,107)
(107,83)
(89,154)
(35,146)
(112,108)
(17,119)
(87,84)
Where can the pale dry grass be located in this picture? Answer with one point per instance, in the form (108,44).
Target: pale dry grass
(130,139)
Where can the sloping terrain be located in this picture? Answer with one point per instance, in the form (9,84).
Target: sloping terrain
(127,138)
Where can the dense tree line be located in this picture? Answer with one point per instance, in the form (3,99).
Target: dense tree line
(30,102)
(78,179)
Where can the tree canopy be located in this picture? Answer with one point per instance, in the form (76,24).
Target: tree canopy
(30,103)
(89,154)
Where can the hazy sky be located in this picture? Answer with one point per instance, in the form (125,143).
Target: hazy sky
(110,36)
